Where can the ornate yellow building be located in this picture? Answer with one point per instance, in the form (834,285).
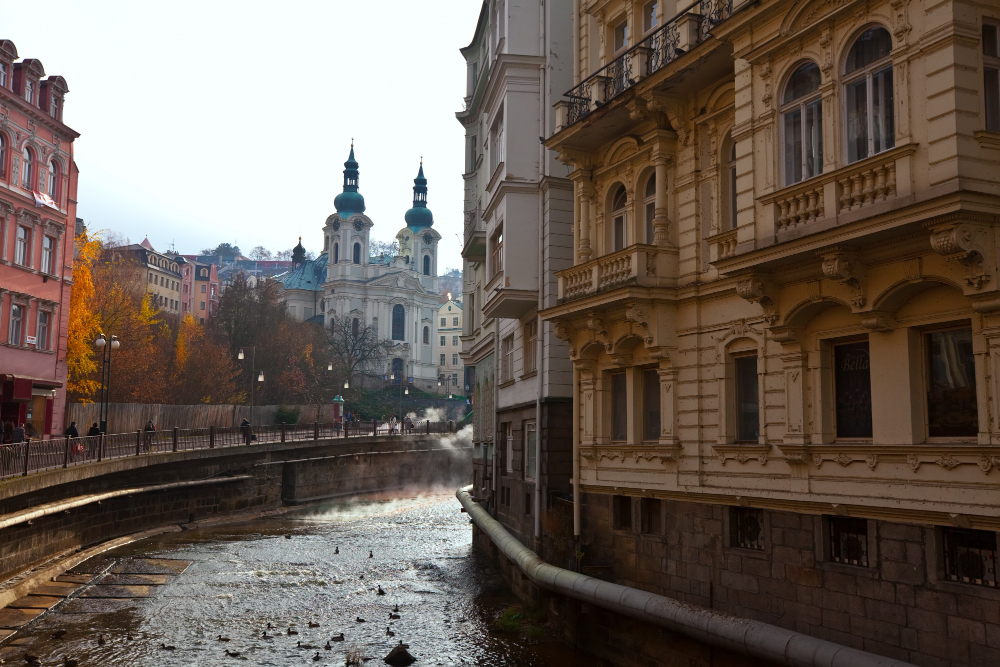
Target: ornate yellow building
(784,311)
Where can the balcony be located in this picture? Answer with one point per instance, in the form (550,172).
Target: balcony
(639,265)
(678,36)
(474,248)
(502,299)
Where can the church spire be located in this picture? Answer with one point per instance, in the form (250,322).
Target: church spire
(419,216)
(350,201)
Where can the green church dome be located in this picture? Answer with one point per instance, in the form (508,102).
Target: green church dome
(419,216)
(350,201)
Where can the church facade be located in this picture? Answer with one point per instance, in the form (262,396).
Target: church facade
(398,295)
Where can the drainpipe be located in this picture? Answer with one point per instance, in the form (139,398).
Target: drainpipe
(540,336)
(575,49)
(732,633)
(576,457)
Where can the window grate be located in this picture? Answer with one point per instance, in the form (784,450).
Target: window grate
(849,541)
(746,528)
(970,556)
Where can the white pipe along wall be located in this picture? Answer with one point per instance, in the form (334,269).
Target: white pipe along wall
(739,635)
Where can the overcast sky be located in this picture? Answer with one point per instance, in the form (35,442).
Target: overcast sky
(208,121)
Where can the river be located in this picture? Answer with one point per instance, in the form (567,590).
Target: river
(184,589)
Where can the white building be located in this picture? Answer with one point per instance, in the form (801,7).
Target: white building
(450,364)
(399,295)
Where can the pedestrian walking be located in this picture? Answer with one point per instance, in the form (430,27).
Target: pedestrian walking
(71,431)
(408,424)
(147,435)
(94,430)
(245,430)
(17,436)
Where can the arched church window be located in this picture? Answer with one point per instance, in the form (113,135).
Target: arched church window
(427,265)
(427,335)
(336,253)
(398,322)
(355,326)
(357,253)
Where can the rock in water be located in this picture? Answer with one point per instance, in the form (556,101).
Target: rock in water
(399,657)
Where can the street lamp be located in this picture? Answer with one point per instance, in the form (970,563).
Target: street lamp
(101,343)
(253,371)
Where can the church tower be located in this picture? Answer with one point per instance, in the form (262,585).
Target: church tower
(419,238)
(347,230)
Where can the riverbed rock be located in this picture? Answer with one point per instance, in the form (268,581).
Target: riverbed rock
(399,657)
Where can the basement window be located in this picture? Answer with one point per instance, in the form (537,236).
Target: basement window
(848,541)
(746,528)
(970,556)
(621,510)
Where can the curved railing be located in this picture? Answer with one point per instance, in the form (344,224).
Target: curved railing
(38,455)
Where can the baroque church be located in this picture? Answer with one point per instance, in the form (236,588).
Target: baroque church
(398,295)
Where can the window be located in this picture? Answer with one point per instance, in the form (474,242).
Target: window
(868,94)
(747,400)
(497,258)
(336,253)
(649,18)
(454,360)
(746,528)
(619,407)
(444,322)
(29,91)
(16,324)
(730,214)
(454,378)
(507,359)
(444,341)
(970,556)
(355,327)
(621,512)
(618,203)
(42,330)
(21,246)
(397,370)
(3,74)
(53,184)
(443,362)
(848,540)
(649,207)
(802,124)
(470,152)
(26,169)
(650,404)
(951,384)
(509,455)
(427,335)
(530,450)
(357,254)
(853,390)
(54,107)
(398,322)
(496,144)
(3,156)
(621,36)
(48,245)
(454,340)
(202,307)
(454,321)
(427,265)
(991,71)
(650,516)
(530,346)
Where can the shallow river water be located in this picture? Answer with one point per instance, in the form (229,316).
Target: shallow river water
(234,579)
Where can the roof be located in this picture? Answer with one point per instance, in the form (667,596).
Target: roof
(309,275)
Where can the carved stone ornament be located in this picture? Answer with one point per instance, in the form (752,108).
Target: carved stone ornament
(818,460)
(871,460)
(844,268)
(966,244)
(913,461)
(784,335)
(596,324)
(844,459)
(948,461)
(564,334)
(875,321)
(757,289)
(741,328)
(638,314)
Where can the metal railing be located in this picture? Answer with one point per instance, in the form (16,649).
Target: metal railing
(659,48)
(39,455)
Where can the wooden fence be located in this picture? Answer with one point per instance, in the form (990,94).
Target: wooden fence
(129,417)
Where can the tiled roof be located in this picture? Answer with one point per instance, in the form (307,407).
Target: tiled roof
(310,275)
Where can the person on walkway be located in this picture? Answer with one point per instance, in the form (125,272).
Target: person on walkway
(393,425)
(246,431)
(408,424)
(18,436)
(94,430)
(147,435)
(71,431)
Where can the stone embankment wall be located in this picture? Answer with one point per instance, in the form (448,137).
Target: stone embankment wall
(229,480)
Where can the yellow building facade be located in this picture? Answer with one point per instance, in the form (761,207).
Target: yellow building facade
(785,297)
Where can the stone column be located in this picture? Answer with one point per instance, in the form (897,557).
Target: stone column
(661,224)
(586,194)
(668,401)
(795,367)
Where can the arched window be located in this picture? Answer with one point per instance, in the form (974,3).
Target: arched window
(398,322)
(870,124)
(802,124)
(54,180)
(26,169)
(357,253)
(336,253)
(730,213)
(3,156)
(355,327)
(618,232)
(427,335)
(649,206)
(427,265)
(397,370)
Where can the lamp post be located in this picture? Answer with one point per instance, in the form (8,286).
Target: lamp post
(101,343)
(253,370)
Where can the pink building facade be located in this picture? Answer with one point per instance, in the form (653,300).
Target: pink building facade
(199,289)
(38,181)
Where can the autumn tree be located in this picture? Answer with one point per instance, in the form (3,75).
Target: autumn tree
(81,362)
(203,370)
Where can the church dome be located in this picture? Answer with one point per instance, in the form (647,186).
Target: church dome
(350,201)
(298,253)
(419,216)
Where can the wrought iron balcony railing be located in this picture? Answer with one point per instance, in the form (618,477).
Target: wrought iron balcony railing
(650,55)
